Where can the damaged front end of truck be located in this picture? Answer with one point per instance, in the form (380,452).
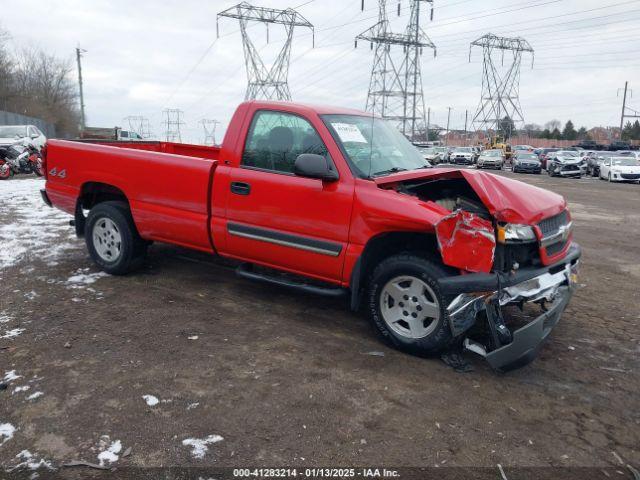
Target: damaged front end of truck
(511,244)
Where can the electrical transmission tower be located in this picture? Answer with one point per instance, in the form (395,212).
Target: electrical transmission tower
(173,123)
(500,97)
(140,125)
(395,88)
(266,83)
(209,127)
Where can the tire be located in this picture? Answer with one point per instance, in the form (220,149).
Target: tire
(609,178)
(112,238)
(8,173)
(386,302)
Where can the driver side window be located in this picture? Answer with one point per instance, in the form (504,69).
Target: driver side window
(276,139)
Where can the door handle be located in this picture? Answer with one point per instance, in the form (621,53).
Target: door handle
(240,188)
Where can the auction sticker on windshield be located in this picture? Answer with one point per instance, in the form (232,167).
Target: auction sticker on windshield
(349,132)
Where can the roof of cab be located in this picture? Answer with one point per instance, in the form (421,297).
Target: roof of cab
(308,108)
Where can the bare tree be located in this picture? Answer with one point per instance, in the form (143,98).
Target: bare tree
(6,69)
(37,84)
(553,125)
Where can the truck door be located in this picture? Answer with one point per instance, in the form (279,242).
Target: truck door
(277,218)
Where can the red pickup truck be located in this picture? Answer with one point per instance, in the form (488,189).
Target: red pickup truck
(345,205)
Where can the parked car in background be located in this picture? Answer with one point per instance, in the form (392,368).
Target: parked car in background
(461,156)
(566,163)
(476,153)
(23,134)
(522,148)
(430,154)
(525,162)
(491,159)
(595,161)
(544,154)
(620,169)
(443,153)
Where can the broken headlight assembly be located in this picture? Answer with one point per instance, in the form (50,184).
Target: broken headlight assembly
(513,233)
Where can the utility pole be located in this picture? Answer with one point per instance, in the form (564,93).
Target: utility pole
(448,119)
(466,118)
(79,52)
(428,121)
(624,106)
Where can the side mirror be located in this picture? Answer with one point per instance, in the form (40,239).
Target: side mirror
(314,166)
(34,135)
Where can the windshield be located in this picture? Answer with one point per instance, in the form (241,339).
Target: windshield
(527,156)
(492,153)
(440,149)
(625,162)
(464,149)
(373,146)
(567,153)
(8,132)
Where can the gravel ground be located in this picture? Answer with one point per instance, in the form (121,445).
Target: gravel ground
(183,364)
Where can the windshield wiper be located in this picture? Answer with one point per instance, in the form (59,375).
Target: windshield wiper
(390,170)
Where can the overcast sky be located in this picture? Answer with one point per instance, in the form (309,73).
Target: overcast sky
(139,55)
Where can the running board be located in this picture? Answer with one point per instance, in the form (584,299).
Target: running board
(246,271)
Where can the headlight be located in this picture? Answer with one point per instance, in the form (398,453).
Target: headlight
(515,233)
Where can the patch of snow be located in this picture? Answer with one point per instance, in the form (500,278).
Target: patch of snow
(6,432)
(199,446)
(12,333)
(110,451)
(24,388)
(29,228)
(193,337)
(31,462)
(193,405)
(35,395)
(151,400)
(11,376)
(4,318)
(82,277)
(30,295)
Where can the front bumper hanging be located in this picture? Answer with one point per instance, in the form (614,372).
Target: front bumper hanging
(485,295)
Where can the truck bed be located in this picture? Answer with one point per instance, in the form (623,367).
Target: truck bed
(167,184)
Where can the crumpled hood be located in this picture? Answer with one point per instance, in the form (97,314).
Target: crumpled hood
(507,200)
(569,160)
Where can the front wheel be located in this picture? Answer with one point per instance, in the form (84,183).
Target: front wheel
(405,305)
(112,238)
(5,171)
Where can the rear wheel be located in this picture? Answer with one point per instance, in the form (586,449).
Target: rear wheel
(112,238)
(406,307)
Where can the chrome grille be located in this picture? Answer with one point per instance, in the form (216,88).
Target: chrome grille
(551,225)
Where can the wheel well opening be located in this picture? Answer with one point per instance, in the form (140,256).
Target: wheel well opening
(93,193)
(384,246)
